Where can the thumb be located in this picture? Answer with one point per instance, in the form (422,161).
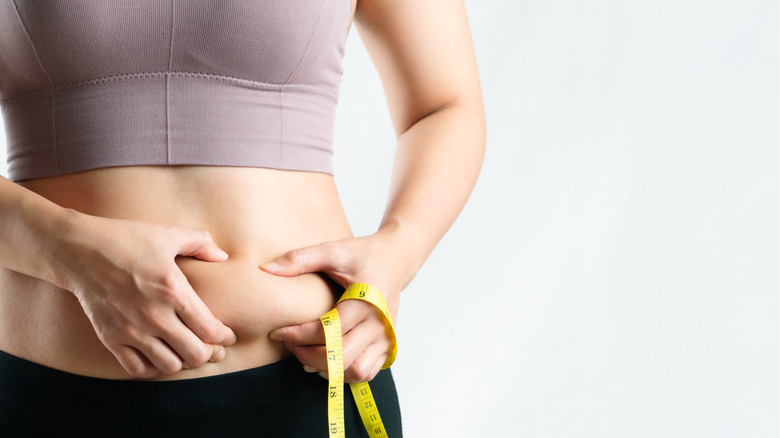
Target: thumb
(198,243)
(317,258)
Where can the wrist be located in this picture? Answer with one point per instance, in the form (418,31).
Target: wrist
(56,235)
(403,248)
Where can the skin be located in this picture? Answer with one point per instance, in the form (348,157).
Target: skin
(212,270)
(424,55)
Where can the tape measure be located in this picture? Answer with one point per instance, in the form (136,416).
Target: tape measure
(361,392)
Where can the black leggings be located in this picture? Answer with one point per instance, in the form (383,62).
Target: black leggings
(276,400)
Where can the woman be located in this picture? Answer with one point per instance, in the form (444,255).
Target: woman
(174,217)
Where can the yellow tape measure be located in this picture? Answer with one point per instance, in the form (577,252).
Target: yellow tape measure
(360,391)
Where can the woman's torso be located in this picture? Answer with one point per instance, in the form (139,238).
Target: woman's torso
(268,86)
(254,214)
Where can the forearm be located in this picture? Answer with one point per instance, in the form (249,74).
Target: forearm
(425,58)
(436,166)
(29,228)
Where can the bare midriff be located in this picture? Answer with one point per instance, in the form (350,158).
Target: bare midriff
(253,214)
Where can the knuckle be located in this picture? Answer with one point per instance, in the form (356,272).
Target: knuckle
(199,355)
(295,257)
(170,289)
(138,370)
(203,235)
(360,372)
(106,336)
(169,283)
(171,366)
(210,331)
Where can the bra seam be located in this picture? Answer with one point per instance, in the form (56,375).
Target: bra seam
(308,43)
(256,84)
(168,87)
(281,126)
(54,131)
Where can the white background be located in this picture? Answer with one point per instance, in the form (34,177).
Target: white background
(615,273)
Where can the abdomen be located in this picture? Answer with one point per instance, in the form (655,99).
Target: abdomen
(255,215)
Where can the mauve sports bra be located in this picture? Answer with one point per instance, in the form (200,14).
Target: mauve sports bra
(86,84)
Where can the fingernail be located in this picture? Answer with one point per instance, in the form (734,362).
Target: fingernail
(309,369)
(223,254)
(218,353)
(323,374)
(270,266)
(276,335)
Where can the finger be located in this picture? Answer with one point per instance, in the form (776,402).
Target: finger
(306,341)
(365,367)
(310,333)
(354,312)
(199,244)
(192,350)
(134,363)
(351,312)
(364,338)
(198,318)
(312,357)
(161,356)
(363,327)
(326,257)
(380,362)
(377,368)
(217,353)
(362,343)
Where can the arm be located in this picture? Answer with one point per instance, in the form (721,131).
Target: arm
(143,309)
(425,58)
(424,55)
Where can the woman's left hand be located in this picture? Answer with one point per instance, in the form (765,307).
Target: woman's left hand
(365,342)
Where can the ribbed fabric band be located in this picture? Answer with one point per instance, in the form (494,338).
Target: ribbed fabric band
(126,121)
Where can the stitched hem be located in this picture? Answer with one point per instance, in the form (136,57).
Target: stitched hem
(246,82)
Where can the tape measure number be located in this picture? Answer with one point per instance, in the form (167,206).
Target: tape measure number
(361,392)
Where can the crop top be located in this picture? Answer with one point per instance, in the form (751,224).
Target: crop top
(86,84)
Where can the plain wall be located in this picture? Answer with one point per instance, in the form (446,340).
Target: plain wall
(615,273)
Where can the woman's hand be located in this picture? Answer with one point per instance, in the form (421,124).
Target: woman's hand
(365,343)
(139,302)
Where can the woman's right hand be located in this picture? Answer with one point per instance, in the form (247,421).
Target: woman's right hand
(139,302)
